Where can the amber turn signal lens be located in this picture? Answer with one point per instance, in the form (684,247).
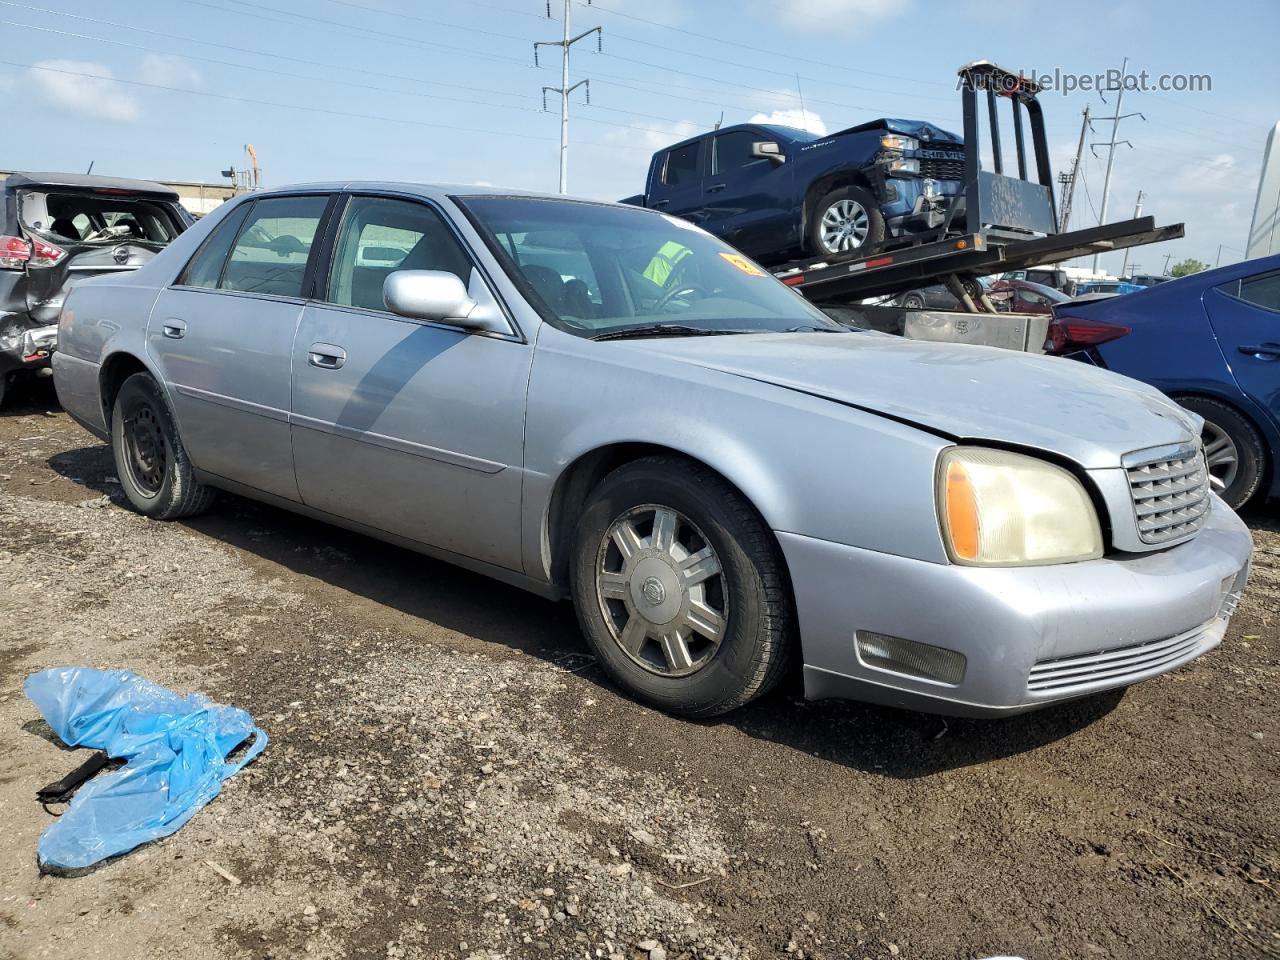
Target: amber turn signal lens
(962,512)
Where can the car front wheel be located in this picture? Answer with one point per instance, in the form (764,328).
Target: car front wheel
(151,461)
(680,588)
(846,220)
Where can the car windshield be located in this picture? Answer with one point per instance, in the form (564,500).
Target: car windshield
(596,269)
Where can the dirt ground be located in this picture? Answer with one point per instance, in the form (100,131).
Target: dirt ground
(449,775)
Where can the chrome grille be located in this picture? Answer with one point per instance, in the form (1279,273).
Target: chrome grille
(1119,665)
(1170,491)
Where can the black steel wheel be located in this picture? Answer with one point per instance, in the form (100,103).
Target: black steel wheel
(153,467)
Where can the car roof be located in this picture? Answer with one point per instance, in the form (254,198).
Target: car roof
(433,191)
(86,181)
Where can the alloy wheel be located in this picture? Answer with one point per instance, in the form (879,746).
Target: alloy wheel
(662,590)
(1220,454)
(845,226)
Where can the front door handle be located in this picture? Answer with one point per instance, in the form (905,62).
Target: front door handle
(175,329)
(326,356)
(659,203)
(1263,351)
(717,188)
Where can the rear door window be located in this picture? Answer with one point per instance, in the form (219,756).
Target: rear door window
(1263,291)
(682,165)
(205,268)
(271,252)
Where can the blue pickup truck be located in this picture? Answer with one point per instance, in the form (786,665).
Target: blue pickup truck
(779,193)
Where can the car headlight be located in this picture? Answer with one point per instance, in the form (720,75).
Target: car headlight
(904,166)
(1005,509)
(893,141)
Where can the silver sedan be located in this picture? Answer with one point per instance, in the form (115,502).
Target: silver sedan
(607,403)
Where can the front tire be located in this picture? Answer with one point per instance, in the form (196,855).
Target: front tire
(151,462)
(680,588)
(1233,448)
(846,220)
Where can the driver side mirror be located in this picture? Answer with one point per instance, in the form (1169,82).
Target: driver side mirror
(768,150)
(434,295)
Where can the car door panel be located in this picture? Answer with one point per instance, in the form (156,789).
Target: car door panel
(228,380)
(677,182)
(420,431)
(1249,334)
(748,199)
(411,427)
(222,340)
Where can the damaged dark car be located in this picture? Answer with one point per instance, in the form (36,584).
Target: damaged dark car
(58,229)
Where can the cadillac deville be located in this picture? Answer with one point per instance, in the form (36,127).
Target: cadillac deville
(606,403)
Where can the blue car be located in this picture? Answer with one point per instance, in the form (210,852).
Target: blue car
(1211,341)
(1109,286)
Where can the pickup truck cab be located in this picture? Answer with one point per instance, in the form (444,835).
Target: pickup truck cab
(779,193)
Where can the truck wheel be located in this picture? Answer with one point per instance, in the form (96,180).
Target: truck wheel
(845,220)
(150,460)
(680,588)
(1233,448)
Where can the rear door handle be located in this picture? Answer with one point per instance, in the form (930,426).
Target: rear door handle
(326,356)
(1263,351)
(659,203)
(175,329)
(717,188)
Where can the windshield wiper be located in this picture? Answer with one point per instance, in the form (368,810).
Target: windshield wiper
(666,330)
(814,328)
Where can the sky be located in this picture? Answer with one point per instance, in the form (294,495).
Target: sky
(448,90)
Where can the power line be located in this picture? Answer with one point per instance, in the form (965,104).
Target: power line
(382,35)
(330,67)
(278,73)
(747,46)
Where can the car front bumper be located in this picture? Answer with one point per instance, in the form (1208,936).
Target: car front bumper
(1031,636)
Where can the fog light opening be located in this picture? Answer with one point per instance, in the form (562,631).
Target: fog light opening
(910,657)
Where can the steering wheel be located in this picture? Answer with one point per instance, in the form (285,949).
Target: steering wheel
(676,292)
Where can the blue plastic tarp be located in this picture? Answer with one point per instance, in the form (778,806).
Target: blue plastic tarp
(175,747)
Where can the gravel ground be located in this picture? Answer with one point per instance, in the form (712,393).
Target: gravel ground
(449,775)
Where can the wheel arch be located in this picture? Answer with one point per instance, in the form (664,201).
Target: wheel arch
(115,370)
(584,473)
(848,177)
(1266,428)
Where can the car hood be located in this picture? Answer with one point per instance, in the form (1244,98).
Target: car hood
(924,132)
(963,392)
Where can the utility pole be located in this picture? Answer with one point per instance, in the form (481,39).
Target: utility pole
(1068,180)
(1167,258)
(1111,147)
(564,89)
(1137,212)
(1218,262)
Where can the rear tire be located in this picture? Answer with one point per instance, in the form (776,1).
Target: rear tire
(695,618)
(151,462)
(1233,448)
(846,220)
(912,301)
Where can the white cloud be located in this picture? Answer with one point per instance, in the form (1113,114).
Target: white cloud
(84,87)
(800,119)
(835,15)
(168,71)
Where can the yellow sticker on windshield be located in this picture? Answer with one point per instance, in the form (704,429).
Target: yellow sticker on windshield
(743,264)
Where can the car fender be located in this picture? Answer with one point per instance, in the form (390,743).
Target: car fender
(810,466)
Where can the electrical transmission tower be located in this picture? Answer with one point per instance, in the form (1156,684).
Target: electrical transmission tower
(1068,180)
(1111,145)
(565,89)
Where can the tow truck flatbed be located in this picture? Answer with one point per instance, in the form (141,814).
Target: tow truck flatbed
(891,271)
